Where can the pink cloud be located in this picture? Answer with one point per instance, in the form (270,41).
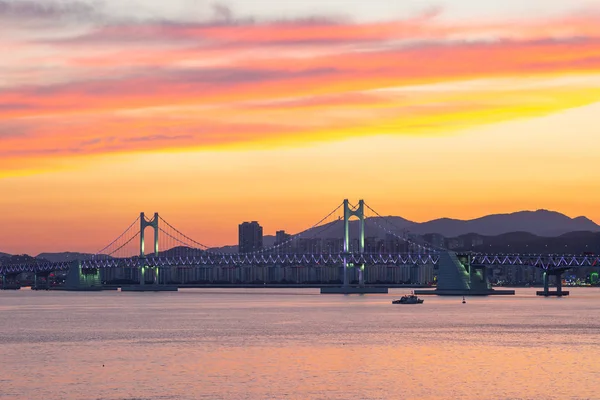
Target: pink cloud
(270,68)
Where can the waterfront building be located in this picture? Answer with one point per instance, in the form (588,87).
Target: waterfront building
(250,237)
(333,245)
(281,237)
(437,240)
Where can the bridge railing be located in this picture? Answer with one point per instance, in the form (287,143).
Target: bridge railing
(266,259)
(548,261)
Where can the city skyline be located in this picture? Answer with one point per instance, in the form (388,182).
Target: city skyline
(216,114)
(546,224)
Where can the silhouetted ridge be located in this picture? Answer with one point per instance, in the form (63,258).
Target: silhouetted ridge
(540,222)
(527,243)
(540,229)
(21,259)
(64,256)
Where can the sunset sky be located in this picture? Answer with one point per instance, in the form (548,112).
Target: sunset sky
(216,113)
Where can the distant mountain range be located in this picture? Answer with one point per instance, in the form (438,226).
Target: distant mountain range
(540,223)
(7,259)
(531,229)
(524,243)
(62,257)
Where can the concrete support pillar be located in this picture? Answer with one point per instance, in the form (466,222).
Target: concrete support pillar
(144,223)
(558,276)
(346,240)
(142,229)
(559,289)
(360,214)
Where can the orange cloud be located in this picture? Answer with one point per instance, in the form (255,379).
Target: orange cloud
(147,86)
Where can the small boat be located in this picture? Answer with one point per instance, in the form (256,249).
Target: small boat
(408,299)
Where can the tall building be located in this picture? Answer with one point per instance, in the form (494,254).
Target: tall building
(283,243)
(333,245)
(281,237)
(394,244)
(438,241)
(250,237)
(309,245)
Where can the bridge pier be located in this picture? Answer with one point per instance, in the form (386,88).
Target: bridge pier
(361,288)
(457,277)
(152,287)
(82,279)
(155,286)
(361,276)
(37,284)
(345,284)
(558,292)
(8,282)
(154,274)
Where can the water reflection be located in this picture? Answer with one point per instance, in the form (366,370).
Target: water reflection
(296,344)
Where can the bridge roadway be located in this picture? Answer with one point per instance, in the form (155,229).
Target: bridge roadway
(278,285)
(547,262)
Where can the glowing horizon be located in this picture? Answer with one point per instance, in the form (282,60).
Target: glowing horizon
(98,104)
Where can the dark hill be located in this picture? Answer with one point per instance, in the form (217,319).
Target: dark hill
(65,256)
(21,259)
(541,223)
(523,242)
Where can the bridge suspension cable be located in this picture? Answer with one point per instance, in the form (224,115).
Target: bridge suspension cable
(124,244)
(324,228)
(297,235)
(181,248)
(203,246)
(404,230)
(186,240)
(427,247)
(121,236)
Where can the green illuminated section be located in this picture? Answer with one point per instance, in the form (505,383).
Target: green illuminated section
(360,214)
(87,277)
(144,223)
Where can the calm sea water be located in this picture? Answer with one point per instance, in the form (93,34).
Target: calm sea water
(297,344)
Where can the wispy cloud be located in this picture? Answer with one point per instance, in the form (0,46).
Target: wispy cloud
(147,85)
(157,138)
(47,10)
(23,15)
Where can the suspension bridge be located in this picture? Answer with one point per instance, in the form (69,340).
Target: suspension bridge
(328,250)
